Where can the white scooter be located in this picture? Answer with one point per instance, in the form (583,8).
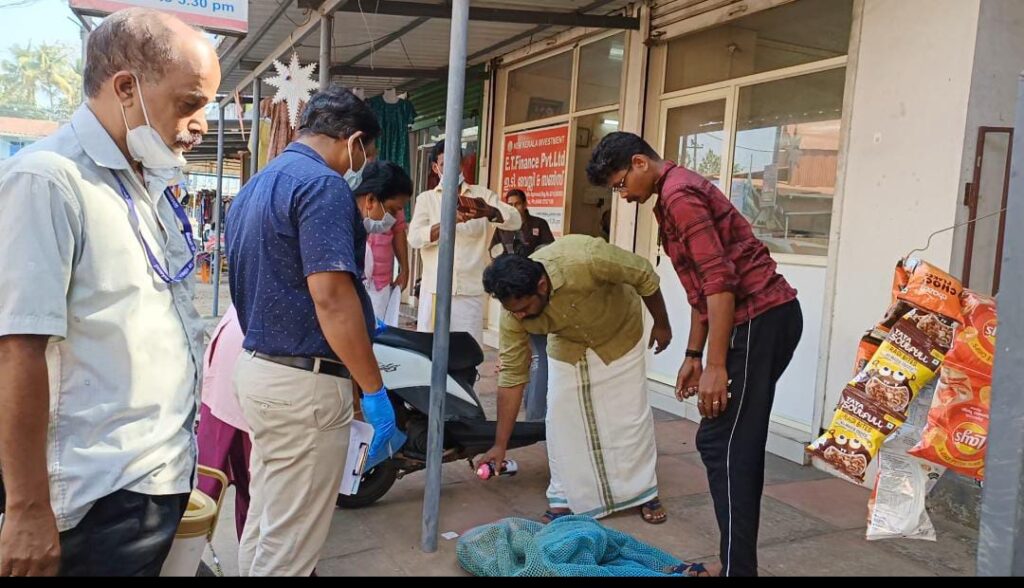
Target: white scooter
(405,364)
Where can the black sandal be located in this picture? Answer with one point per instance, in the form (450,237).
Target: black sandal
(691,570)
(550,516)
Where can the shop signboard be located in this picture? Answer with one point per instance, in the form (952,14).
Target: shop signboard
(535,162)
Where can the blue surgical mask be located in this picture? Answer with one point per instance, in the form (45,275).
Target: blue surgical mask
(376,227)
(354,177)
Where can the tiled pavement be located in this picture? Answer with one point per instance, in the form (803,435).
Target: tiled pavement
(811,523)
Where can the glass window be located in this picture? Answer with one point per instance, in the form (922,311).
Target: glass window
(793,34)
(600,74)
(590,206)
(784,163)
(694,138)
(539,90)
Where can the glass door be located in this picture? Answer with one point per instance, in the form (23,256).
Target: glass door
(696,133)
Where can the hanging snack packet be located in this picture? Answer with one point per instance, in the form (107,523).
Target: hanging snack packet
(956,435)
(904,363)
(876,401)
(856,434)
(896,508)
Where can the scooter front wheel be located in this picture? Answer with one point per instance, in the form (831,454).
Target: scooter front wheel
(372,487)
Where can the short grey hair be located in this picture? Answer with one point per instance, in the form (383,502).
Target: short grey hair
(138,40)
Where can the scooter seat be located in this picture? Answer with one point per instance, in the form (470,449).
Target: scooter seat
(463,350)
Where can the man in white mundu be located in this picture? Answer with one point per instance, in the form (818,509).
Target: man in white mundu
(471,256)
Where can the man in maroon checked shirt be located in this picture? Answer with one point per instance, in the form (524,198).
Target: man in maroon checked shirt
(742,309)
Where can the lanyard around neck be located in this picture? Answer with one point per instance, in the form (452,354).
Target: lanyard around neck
(186,232)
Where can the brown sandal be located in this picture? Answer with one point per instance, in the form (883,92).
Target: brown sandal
(653,512)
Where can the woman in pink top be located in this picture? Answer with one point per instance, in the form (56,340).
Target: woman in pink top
(386,188)
(223,435)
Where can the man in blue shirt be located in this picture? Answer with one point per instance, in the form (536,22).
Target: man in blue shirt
(295,244)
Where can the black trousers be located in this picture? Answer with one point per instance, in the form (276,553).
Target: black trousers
(124,534)
(732,446)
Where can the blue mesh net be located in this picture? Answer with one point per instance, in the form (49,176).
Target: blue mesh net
(568,546)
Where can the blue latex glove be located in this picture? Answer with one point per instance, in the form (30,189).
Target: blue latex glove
(380,328)
(387,439)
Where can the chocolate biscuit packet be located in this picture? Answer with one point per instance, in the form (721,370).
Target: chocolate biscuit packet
(918,330)
(855,435)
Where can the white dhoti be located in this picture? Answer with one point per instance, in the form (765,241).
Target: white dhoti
(467,315)
(385,301)
(378,298)
(600,434)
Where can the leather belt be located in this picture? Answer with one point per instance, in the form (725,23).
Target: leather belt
(309,364)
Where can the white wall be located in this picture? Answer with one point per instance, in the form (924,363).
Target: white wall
(904,160)
(998,61)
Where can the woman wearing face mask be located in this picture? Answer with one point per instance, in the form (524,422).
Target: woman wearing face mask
(383,193)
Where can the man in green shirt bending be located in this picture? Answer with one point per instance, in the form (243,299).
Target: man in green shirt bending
(585,295)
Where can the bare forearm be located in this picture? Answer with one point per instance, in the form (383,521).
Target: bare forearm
(721,311)
(655,304)
(24,416)
(401,246)
(698,332)
(509,401)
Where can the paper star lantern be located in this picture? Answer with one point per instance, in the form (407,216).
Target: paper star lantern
(294,84)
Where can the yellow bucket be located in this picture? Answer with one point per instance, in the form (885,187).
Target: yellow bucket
(195,529)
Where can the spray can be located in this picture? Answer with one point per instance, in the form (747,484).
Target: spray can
(487,471)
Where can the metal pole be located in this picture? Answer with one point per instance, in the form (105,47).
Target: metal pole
(446,257)
(85,45)
(218,203)
(1001,536)
(255,130)
(326,40)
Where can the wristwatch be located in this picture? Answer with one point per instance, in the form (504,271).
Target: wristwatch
(694,354)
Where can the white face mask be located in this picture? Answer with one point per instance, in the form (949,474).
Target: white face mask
(353,177)
(376,227)
(462,179)
(159,178)
(147,147)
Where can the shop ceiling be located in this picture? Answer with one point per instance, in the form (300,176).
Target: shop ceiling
(381,44)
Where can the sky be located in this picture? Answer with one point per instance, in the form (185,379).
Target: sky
(37,21)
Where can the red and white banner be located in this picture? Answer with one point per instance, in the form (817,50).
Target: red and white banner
(535,162)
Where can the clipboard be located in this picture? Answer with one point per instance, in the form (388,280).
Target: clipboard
(360,436)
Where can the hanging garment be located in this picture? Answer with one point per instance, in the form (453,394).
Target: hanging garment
(281,132)
(394,118)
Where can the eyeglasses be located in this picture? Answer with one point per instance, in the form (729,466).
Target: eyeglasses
(621,185)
